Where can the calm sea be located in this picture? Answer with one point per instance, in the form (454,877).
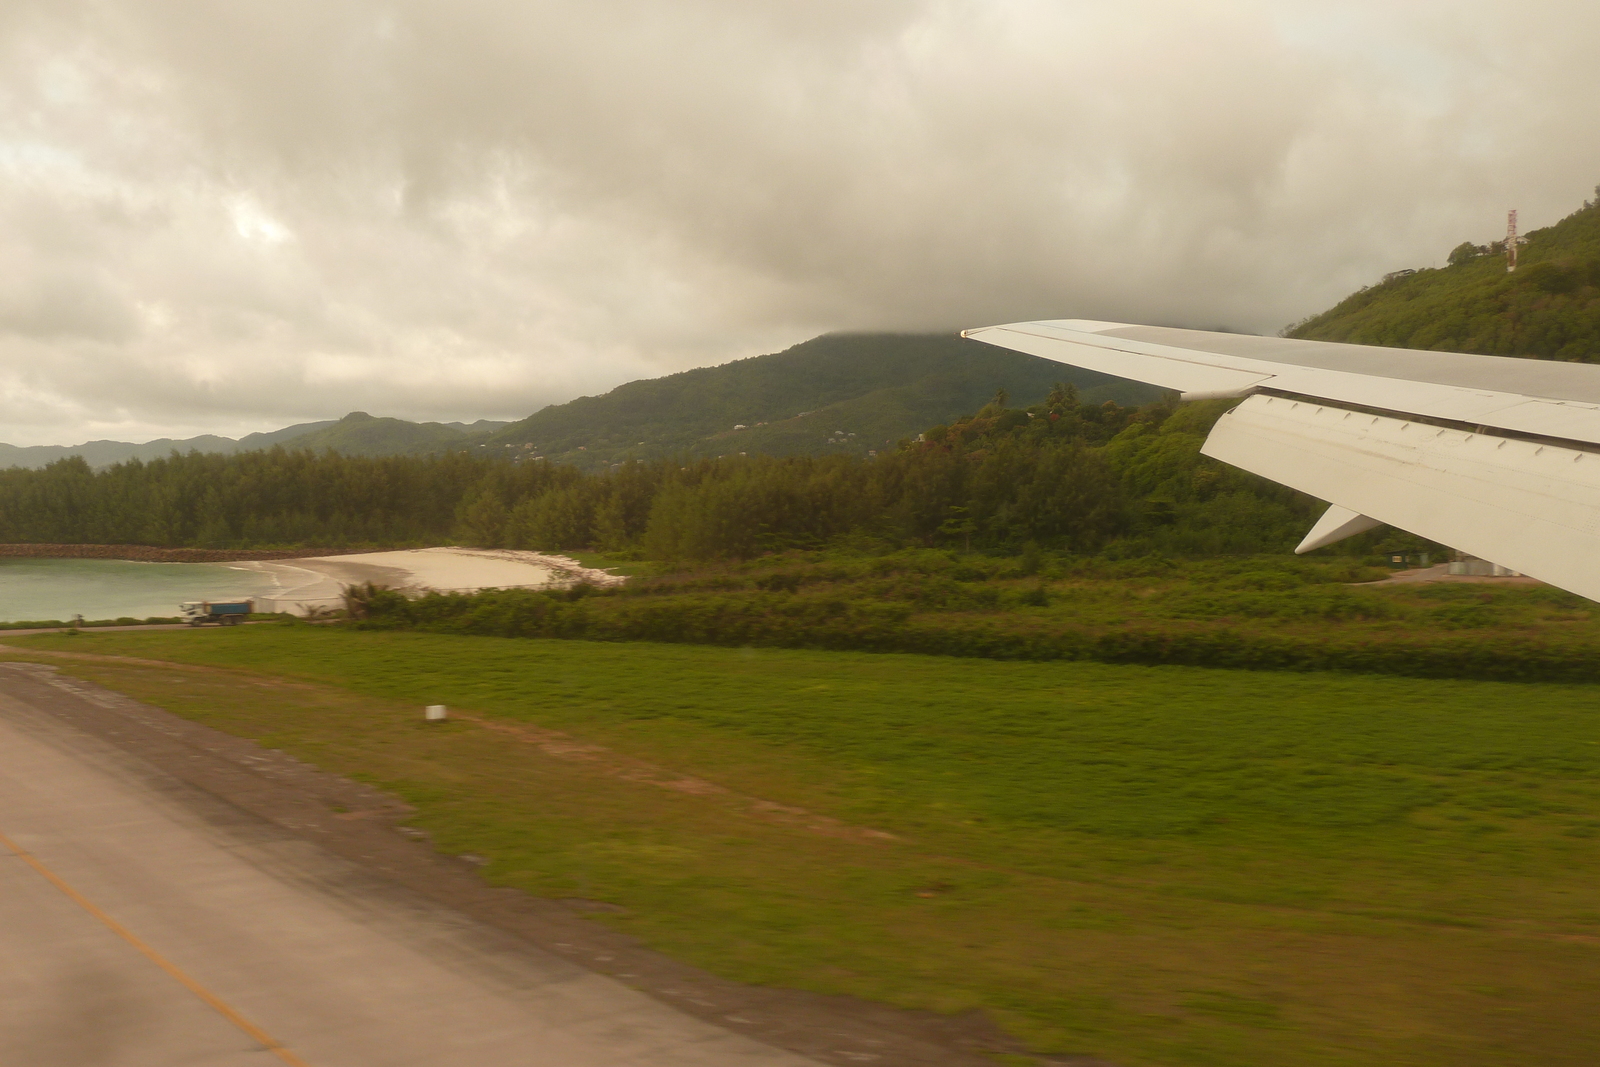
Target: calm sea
(45,589)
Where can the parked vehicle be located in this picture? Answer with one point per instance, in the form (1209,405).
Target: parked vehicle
(221,612)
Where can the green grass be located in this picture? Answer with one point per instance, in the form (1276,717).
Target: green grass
(1160,865)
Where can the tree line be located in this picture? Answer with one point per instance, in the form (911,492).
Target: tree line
(1061,475)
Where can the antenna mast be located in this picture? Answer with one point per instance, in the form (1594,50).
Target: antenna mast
(1511,241)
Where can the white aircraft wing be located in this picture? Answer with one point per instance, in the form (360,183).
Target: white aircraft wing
(1498,457)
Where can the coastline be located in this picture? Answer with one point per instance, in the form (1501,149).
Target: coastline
(309,580)
(155,554)
(317,580)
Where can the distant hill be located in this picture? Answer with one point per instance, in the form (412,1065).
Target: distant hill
(356,434)
(105,453)
(360,434)
(1548,308)
(837,393)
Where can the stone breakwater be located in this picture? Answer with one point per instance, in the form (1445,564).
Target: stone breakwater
(153,554)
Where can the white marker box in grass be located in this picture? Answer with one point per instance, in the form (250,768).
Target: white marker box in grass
(435,713)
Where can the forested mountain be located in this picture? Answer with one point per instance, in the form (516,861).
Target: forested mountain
(360,434)
(356,434)
(1061,473)
(839,394)
(1548,308)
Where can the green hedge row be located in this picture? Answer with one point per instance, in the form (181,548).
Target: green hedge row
(775,621)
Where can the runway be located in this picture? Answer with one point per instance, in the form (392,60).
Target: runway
(139,931)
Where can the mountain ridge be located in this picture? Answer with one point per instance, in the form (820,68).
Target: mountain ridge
(349,435)
(841,392)
(851,393)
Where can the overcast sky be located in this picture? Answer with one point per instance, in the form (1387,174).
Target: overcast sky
(230,216)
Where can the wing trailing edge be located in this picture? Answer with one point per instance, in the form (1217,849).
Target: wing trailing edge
(1530,506)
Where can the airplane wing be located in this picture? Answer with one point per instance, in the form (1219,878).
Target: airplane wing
(1498,457)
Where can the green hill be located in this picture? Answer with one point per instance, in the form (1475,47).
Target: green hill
(1548,308)
(839,393)
(105,453)
(360,434)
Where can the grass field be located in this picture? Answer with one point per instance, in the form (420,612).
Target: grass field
(1262,613)
(1160,865)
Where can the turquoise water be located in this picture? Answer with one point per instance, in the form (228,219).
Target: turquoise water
(40,589)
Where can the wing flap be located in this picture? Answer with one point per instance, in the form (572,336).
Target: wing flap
(1335,525)
(1529,506)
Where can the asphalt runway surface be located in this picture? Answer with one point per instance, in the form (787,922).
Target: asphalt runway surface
(139,930)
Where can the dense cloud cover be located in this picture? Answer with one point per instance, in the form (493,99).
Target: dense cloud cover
(226,215)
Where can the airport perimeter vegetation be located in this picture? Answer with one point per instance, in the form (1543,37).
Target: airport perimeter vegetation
(1253,612)
(1149,864)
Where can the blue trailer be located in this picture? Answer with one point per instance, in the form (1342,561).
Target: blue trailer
(221,612)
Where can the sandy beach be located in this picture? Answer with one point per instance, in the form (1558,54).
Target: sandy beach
(316,581)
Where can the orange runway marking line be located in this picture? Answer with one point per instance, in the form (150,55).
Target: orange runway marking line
(216,1003)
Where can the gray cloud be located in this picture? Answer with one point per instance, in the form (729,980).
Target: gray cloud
(222,216)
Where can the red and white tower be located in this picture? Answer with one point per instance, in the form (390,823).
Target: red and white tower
(1511,241)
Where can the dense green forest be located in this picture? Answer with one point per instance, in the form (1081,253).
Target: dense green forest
(1061,474)
(255,499)
(1549,307)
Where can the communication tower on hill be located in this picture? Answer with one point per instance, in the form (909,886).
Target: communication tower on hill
(1511,241)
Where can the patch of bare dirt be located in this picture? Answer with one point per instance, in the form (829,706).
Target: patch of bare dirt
(607,761)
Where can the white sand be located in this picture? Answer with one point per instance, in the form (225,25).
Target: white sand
(316,581)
